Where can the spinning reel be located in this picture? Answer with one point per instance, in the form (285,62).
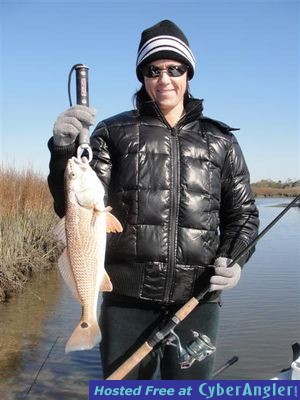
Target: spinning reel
(198,349)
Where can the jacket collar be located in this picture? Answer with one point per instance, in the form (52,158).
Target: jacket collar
(193,111)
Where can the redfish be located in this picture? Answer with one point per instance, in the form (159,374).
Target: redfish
(83,231)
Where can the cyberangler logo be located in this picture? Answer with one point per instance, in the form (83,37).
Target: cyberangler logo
(248,390)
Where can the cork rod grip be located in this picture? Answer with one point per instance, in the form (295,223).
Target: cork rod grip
(185,310)
(129,364)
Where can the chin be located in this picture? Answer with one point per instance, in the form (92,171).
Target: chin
(165,106)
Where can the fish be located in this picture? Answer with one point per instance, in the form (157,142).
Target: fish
(83,232)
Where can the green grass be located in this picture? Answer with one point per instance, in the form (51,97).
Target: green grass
(27,221)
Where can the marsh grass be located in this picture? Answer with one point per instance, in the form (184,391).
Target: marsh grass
(27,221)
(275,192)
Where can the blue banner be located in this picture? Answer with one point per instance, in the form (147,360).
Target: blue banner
(194,390)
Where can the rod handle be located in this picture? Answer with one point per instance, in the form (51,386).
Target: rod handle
(187,308)
(130,363)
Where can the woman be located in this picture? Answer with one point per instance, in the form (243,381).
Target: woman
(179,184)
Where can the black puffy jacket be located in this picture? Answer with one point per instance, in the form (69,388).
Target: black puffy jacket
(182,195)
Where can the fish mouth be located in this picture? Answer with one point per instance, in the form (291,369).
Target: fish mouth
(75,165)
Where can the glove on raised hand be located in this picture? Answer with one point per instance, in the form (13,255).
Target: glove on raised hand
(70,123)
(224,278)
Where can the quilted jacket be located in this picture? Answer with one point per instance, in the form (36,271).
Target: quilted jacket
(182,195)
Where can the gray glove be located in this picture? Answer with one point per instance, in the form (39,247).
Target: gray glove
(224,278)
(70,123)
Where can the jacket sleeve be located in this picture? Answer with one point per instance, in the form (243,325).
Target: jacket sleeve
(238,213)
(102,155)
(58,161)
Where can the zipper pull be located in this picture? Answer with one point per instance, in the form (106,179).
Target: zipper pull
(174,131)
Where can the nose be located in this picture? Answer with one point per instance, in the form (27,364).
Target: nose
(164,77)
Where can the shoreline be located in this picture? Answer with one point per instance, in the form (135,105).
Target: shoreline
(260,192)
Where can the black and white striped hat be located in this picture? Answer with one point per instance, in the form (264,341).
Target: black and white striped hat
(164,41)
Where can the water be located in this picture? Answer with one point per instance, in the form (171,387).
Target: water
(259,322)
(261,316)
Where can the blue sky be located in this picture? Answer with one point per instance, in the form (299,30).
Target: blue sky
(247,70)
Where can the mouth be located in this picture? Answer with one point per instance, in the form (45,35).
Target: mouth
(165,92)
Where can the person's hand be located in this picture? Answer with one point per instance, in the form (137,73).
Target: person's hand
(224,278)
(70,123)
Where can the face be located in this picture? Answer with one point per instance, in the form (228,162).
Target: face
(166,90)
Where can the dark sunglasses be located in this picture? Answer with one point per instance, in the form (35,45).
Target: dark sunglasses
(174,71)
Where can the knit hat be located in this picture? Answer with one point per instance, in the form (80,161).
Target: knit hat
(164,41)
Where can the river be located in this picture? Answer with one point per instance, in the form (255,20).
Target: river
(259,322)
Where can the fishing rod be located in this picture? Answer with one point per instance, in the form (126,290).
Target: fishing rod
(228,364)
(42,366)
(202,346)
(82,98)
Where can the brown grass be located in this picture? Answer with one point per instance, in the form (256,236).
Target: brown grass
(275,192)
(27,221)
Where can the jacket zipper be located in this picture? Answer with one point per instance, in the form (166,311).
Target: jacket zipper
(174,203)
(173,215)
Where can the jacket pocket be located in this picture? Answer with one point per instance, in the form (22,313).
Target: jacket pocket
(190,281)
(153,282)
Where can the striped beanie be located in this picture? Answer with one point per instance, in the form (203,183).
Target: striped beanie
(164,41)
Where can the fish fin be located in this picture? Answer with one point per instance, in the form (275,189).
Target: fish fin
(60,231)
(106,285)
(113,224)
(85,336)
(65,269)
(99,210)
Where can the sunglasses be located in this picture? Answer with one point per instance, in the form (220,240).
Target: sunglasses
(174,71)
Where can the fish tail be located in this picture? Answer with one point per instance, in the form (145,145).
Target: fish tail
(85,336)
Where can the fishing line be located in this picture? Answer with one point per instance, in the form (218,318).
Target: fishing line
(42,366)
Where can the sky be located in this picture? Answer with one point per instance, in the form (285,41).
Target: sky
(247,70)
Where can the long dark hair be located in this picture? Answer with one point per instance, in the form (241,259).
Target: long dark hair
(141,96)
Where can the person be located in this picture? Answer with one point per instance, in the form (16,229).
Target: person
(178,183)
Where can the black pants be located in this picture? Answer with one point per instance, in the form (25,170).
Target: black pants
(125,327)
